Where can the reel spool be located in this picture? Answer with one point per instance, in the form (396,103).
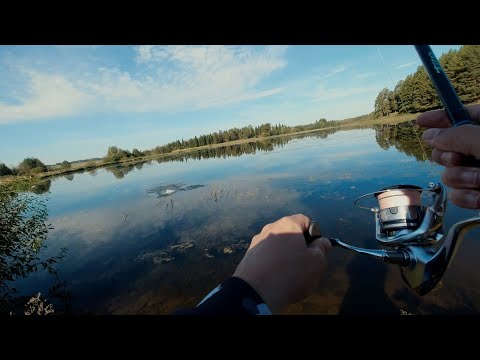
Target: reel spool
(411,231)
(402,218)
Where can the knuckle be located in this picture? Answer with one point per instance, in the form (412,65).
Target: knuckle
(446,177)
(477,201)
(476,178)
(266,228)
(284,221)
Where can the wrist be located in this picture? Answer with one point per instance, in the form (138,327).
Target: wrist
(261,290)
(233,297)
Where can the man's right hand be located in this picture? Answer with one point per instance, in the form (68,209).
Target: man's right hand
(450,145)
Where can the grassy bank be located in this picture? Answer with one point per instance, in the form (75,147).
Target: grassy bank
(30,180)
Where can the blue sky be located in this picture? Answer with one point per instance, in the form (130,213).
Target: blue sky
(72,102)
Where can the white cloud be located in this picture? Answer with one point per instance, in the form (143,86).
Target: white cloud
(401,66)
(49,96)
(169,78)
(338,69)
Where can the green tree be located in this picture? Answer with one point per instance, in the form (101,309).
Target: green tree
(23,231)
(417,94)
(114,154)
(136,153)
(463,69)
(5,170)
(66,165)
(29,164)
(383,105)
(112,151)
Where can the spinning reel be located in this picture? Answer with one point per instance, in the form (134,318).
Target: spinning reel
(412,231)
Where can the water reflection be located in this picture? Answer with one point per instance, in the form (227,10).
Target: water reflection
(376,302)
(120,170)
(405,138)
(248,148)
(23,233)
(165,190)
(174,228)
(42,187)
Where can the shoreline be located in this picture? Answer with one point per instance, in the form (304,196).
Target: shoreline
(92,165)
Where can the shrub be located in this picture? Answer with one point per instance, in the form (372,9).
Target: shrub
(28,164)
(5,170)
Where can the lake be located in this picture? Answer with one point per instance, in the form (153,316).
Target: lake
(154,236)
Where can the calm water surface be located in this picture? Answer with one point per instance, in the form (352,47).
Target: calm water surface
(149,238)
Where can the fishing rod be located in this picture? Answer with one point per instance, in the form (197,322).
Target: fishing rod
(453,106)
(409,220)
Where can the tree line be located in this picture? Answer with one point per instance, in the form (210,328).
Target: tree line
(403,137)
(268,144)
(247,132)
(416,92)
(413,94)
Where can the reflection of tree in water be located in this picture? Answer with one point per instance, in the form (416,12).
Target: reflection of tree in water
(189,250)
(253,147)
(120,170)
(23,232)
(41,187)
(366,294)
(265,145)
(69,177)
(415,304)
(405,137)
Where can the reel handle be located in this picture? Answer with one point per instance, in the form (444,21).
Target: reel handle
(313,233)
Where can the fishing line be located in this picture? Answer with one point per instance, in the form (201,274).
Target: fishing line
(425,157)
(409,230)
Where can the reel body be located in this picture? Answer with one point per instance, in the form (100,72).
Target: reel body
(402,219)
(411,232)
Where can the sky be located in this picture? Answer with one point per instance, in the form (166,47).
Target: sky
(72,102)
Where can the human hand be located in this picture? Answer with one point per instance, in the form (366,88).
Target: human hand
(451,145)
(280,266)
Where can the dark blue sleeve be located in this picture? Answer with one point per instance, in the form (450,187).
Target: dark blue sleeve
(232,297)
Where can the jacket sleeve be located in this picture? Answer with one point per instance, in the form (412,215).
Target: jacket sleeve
(232,297)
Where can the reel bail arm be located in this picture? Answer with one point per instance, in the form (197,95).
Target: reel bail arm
(412,240)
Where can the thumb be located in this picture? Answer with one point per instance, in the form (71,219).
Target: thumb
(462,139)
(320,245)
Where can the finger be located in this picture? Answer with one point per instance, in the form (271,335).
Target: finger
(447,158)
(440,119)
(462,139)
(468,199)
(266,229)
(301,220)
(462,177)
(322,245)
(435,118)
